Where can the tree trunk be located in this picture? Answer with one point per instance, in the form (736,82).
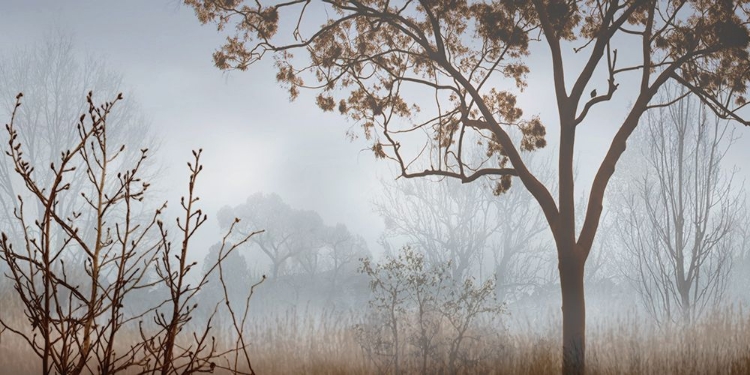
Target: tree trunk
(573,310)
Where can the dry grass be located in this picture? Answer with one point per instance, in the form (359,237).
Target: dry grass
(308,343)
(720,344)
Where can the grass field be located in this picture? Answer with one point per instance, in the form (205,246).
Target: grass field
(299,343)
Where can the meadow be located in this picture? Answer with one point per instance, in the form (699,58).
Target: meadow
(305,342)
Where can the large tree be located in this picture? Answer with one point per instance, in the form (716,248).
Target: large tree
(437,70)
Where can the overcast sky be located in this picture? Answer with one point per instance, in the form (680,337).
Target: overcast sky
(253,138)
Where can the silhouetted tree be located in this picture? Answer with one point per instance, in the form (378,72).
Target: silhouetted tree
(436,70)
(290,233)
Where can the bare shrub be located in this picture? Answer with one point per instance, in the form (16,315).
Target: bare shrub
(421,318)
(76,315)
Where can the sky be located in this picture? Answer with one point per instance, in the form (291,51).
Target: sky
(255,139)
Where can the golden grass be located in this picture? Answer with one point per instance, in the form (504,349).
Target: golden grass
(719,344)
(307,343)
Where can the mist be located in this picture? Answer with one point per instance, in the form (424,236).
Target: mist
(231,219)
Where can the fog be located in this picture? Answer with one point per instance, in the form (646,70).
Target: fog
(165,59)
(329,206)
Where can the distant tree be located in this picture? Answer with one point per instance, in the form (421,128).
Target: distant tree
(418,76)
(236,275)
(55,80)
(291,234)
(741,260)
(462,223)
(448,221)
(680,217)
(309,259)
(342,251)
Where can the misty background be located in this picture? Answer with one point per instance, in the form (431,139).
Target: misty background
(256,141)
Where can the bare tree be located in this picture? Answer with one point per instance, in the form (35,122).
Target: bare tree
(741,260)
(520,249)
(163,351)
(54,79)
(448,221)
(678,218)
(463,223)
(77,318)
